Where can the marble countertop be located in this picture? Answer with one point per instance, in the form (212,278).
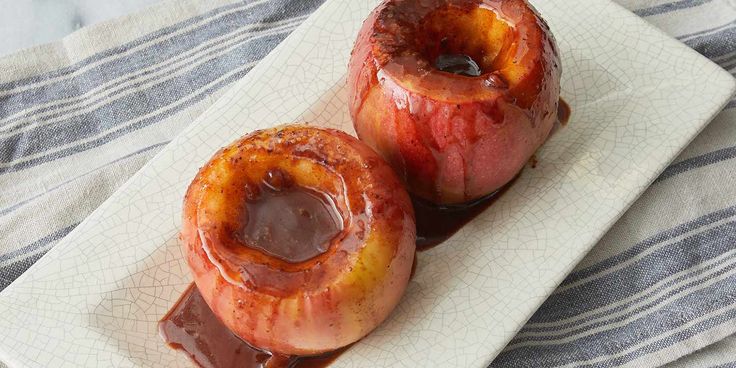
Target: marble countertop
(26,23)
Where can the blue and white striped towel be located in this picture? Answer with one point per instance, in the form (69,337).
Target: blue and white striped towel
(79,117)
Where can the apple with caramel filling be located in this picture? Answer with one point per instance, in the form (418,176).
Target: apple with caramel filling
(456,95)
(301,240)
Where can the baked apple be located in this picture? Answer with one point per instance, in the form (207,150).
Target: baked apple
(300,239)
(456,95)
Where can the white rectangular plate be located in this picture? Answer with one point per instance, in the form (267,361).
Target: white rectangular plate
(637,97)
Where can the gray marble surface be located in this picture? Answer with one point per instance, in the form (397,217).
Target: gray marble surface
(26,23)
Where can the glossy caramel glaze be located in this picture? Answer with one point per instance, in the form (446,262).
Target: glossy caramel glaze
(454,138)
(327,301)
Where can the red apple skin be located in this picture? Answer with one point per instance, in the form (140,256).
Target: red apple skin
(326,302)
(454,138)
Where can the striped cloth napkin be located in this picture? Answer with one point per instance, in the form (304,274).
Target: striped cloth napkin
(79,117)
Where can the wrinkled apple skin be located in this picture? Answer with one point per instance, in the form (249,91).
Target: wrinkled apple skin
(326,302)
(454,138)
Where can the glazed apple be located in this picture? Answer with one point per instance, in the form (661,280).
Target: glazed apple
(300,239)
(456,95)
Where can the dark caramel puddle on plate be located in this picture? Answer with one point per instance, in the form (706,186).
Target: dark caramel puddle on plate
(436,224)
(191,326)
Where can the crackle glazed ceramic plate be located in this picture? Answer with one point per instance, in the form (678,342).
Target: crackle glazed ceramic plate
(637,98)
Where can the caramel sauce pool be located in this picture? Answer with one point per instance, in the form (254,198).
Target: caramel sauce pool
(293,224)
(436,224)
(191,326)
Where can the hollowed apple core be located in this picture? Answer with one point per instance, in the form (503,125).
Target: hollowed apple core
(477,33)
(435,51)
